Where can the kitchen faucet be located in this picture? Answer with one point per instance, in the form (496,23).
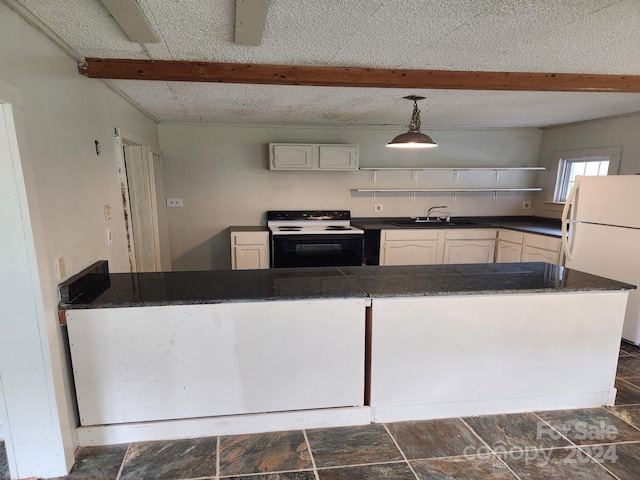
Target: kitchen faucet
(433,208)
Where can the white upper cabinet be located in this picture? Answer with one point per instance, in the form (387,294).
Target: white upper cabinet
(290,156)
(338,157)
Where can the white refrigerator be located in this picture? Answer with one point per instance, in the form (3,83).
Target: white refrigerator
(601,235)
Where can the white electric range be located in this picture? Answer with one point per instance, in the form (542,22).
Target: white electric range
(314,238)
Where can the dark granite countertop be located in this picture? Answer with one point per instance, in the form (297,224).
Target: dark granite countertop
(223,286)
(540,225)
(476,279)
(218,286)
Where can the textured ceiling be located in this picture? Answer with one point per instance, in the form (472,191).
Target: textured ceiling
(569,36)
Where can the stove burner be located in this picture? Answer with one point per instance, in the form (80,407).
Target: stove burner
(337,227)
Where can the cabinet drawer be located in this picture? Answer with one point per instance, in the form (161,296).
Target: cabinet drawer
(541,241)
(411,234)
(470,234)
(510,236)
(250,238)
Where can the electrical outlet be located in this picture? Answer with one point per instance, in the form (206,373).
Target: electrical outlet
(378,208)
(174,202)
(526,205)
(61,268)
(108,237)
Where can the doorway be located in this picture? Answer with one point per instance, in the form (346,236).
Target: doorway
(142,185)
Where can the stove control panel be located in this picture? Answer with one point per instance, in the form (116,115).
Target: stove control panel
(309,215)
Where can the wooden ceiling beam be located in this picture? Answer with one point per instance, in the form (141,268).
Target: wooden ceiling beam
(183,71)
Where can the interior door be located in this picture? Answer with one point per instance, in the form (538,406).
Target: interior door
(144,223)
(163,257)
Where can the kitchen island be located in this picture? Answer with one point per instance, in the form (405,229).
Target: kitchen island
(164,355)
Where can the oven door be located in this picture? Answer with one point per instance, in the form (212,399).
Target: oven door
(316,250)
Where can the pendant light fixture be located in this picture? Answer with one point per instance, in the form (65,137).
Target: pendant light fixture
(413,138)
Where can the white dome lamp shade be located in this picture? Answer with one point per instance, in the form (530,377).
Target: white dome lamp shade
(413,138)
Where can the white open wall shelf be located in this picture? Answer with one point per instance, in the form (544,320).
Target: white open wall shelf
(414,170)
(453,190)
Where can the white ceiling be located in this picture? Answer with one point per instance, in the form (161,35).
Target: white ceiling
(568,36)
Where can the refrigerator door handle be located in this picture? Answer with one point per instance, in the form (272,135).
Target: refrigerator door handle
(566,211)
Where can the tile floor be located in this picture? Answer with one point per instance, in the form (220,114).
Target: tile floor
(600,443)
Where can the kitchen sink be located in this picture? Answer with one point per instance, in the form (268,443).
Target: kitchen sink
(415,223)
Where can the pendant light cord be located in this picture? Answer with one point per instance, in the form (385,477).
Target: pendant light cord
(414,126)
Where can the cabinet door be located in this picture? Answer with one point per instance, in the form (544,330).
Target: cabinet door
(468,251)
(291,157)
(249,250)
(541,248)
(508,252)
(338,157)
(409,252)
(251,257)
(544,242)
(535,254)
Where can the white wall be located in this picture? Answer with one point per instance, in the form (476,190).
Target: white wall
(608,132)
(221,173)
(58,115)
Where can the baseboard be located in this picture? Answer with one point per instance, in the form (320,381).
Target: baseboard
(229,425)
(429,411)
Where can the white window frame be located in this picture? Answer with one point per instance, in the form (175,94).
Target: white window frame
(563,158)
(564,184)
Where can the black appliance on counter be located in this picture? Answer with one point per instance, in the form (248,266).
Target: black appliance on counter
(314,238)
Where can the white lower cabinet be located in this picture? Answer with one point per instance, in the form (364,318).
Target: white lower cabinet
(541,248)
(434,246)
(508,252)
(411,247)
(527,247)
(534,254)
(475,245)
(509,246)
(249,250)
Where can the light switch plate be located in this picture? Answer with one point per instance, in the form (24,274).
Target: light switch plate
(61,267)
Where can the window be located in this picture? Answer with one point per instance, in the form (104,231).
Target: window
(569,169)
(567,164)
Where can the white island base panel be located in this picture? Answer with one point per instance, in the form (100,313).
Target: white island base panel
(153,368)
(454,356)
